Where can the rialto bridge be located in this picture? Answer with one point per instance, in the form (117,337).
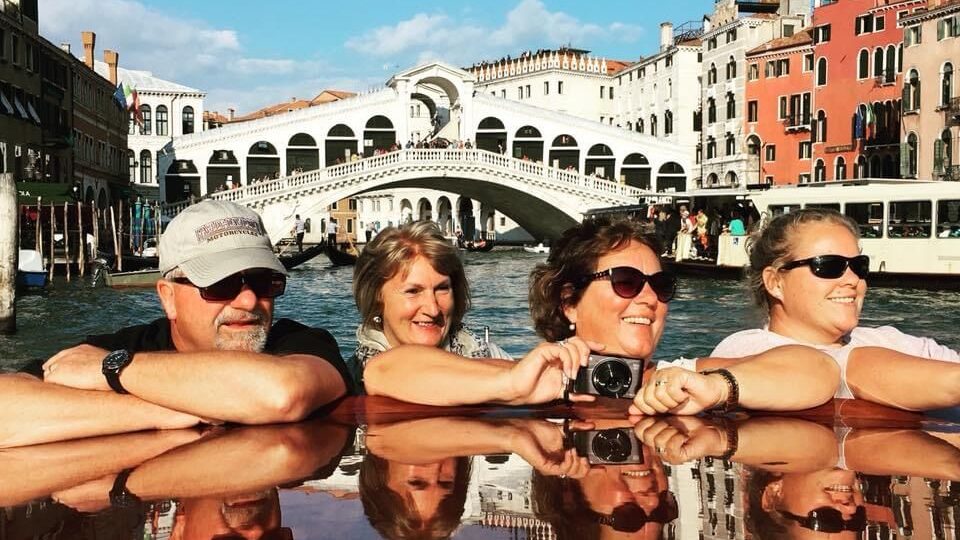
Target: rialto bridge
(541,168)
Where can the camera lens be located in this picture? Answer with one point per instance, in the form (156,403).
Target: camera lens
(611,445)
(612,378)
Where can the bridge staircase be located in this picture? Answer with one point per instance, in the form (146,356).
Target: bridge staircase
(330,184)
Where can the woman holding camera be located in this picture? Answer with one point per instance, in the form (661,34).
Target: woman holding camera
(603,284)
(807,272)
(412,294)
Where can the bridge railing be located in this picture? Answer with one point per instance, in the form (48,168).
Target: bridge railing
(573,179)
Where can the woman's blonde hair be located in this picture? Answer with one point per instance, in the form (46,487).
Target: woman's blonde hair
(392,252)
(773,245)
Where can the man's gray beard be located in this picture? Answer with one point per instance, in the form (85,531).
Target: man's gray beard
(253,340)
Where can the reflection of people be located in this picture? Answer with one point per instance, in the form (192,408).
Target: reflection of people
(807,272)
(299,228)
(216,355)
(603,283)
(412,294)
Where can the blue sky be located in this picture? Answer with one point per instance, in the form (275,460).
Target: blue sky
(248,54)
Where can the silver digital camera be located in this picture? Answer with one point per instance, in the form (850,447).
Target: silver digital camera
(608,446)
(609,376)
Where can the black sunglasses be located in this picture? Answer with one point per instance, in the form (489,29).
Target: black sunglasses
(264,284)
(627,282)
(833,266)
(630,517)
(830,520)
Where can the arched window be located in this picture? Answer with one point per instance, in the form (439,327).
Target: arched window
(667,122)
(860,171)
(819,172)
(878,62)
(187,120)
(730,144)
(912,155)
(731,106)
(821,71)
(653,125)
(639,125)
(132,160)
(146,167)
(840,169)
(162,120)
(946,84)
(711,110)
(863,64)
(146,120)
(820,134)
(712,74)
(911,92)
(890,69)
(711,147)
(731,69)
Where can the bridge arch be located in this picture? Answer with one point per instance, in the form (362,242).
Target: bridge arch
(600,162)
(445,215)
(528,144)
(302,153)
(340,145)
(636,170)
(406,211)
(424,210)
(183,180)
(223,171)
(671,176)
(263,161)
(378,135)
(564,153)
(491,135)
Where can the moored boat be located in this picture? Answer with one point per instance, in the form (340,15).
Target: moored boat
(30,270)
(539,248)
(339,257)
(135,279)
(292,260)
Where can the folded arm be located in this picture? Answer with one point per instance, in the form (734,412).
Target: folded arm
(33,412)
(900,380)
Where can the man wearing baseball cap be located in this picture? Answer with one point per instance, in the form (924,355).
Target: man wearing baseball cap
(217,356)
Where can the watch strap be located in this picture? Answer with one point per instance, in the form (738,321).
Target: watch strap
(111,369)
(120,496)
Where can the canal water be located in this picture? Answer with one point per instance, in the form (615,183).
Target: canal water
(703,312)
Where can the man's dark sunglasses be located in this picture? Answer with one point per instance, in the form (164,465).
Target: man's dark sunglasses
(833,266)
(630,517)
(264,284)
(627,282)
(830,520)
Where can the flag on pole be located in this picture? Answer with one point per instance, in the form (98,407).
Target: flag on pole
(120,97)
(870,122)
(858,125)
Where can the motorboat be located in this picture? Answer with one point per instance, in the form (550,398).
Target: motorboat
(539,249)
(30,270)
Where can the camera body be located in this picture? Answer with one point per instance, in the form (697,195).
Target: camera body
(608,446)
(609,376)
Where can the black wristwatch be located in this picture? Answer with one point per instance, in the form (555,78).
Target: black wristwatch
(114,363)
(120,496)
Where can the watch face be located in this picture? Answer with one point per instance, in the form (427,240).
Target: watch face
(115,361)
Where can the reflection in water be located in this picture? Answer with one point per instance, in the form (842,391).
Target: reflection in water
(667,478)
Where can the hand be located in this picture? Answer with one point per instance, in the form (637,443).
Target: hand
(680,439)
(539,376)
(679,391)
(77,367)
(541,444)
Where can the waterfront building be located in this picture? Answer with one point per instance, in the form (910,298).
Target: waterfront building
(56,114)
(734,28)
(21,136)
(166,110)
(858,64)
(931,110)
(777,110)
(660,96)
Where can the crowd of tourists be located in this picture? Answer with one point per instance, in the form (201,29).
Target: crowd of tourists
(703,226)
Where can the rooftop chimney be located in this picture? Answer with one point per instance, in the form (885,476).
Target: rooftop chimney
(111,57)
(89,43)
(230,113)
(65,47)
(666,36)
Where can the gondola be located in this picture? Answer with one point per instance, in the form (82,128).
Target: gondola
(292,260)
(338,257)
(481,246)
(133,263)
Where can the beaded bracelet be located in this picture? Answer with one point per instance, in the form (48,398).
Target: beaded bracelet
(733,390)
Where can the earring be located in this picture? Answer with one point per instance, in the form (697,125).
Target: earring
(378,319)
(573,327)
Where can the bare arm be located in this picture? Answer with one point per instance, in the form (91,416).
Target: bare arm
(896,451)
(900,380)
(787,378)
(432,376)
(243,387)
(35,412)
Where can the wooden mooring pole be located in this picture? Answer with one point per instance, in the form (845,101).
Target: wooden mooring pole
(9,253)
(66,237)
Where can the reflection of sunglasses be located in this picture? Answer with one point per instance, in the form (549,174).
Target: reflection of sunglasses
(627,282)
(830,520)
(629,517)
(833,266)
(281,533)
(264,284)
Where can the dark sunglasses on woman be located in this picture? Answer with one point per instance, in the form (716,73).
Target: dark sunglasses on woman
(830,520)
(833,266)
(630,517)
(627,282)
(263,283)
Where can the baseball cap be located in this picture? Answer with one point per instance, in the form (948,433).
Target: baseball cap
(212,240)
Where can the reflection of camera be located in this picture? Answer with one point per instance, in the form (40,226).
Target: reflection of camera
(610,376)
(608,446)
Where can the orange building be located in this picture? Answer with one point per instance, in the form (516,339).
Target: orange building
(857,72)
(778,110)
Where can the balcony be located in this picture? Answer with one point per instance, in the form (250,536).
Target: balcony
(952,112)
(951,173)
(796,122)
